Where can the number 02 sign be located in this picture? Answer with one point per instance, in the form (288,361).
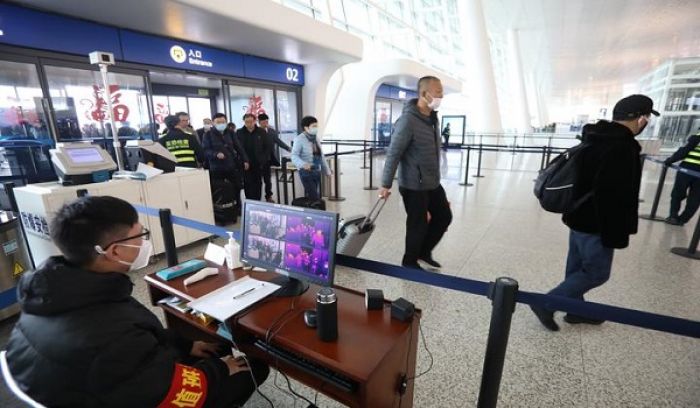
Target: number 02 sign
(292,74)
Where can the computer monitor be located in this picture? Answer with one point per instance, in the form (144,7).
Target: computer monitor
(298,243)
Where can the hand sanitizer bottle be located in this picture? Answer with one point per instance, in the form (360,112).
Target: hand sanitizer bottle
(233,253)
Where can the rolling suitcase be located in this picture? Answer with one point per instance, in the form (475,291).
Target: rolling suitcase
(353,232)
(224,199)
(306,202)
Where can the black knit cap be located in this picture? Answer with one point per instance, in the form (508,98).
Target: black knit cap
(633,107)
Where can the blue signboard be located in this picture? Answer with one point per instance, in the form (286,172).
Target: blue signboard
(394,92)
(269,70)
(34,29)
(152,50)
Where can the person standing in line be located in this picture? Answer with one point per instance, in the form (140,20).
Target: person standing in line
(308,157)
(258,148)
(415,151)
(685,186)
(204,129)
(264,122)
(224,150)
(612,171)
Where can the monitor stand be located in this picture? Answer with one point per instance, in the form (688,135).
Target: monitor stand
(290,287)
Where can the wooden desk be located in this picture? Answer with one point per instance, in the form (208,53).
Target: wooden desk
(372,349)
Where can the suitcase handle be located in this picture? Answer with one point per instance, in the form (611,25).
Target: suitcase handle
(369,218)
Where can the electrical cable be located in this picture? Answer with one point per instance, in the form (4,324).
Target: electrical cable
(252,375)
(425,346)
(289,385)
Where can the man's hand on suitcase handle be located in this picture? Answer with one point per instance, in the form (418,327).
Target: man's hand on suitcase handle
(384,193)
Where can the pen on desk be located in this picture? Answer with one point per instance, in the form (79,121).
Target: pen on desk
(240,295)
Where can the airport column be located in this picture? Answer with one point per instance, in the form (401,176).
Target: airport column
(480,80)
(523,113)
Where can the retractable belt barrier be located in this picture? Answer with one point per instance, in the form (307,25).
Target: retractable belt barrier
(675,166)
(631,317)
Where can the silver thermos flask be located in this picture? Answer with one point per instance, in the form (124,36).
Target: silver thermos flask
(327,315)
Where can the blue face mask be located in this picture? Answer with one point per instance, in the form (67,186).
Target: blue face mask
(220,127)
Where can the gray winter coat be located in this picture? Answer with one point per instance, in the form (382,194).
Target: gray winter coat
(415,150)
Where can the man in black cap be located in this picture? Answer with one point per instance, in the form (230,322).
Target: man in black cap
(612,171)
(686,185)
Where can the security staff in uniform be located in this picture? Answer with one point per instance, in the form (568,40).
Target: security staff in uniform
(183,146)
(82,340)
(686,186)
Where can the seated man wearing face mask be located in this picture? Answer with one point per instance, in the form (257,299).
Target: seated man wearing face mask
(82,340)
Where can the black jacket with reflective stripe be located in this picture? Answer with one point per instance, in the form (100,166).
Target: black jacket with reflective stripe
(689,154)
(184,147)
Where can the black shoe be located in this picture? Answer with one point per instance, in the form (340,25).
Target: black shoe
(673,221)
(430,261)
(573,319)
(546,318)
(412,265)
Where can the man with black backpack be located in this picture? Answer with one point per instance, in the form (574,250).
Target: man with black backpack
(604,202)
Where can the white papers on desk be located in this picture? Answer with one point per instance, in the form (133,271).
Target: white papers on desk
(220,304)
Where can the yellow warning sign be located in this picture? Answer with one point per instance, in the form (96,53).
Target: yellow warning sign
(18,269)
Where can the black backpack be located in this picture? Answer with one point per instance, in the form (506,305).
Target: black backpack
(555,184)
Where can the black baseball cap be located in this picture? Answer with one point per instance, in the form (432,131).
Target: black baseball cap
(633,107)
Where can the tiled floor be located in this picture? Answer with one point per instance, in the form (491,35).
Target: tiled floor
(499,230)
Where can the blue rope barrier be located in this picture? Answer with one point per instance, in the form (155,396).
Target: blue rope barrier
(188,223)
(630,317)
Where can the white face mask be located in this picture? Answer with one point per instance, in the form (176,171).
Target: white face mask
(207,127)
(220,127)
(435,103)
(313,131)
(141,260)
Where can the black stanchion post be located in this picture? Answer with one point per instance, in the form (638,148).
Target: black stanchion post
(336,178)
(643,158)
(466,182)
(364,154)
(502,294)
(549,155)
(544,156)
(371,170)
(478,166)
(166,226)
(659,189)
(692,250)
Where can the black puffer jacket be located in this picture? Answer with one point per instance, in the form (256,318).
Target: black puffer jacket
(83,341)
(612,170)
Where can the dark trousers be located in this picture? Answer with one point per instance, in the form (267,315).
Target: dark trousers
(267,179)
(311,179)
(253,183)
(686,186)
(422,236)
(235,390)
(588,265)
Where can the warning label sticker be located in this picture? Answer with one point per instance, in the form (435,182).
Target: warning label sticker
(18,269)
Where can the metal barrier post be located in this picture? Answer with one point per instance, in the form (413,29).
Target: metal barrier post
(515,142)
(657,197)
(285,187)
(502,294)
(478,167)
(364,154)
(466,182)
(643,158)
(371,170)
(692,250)
(166,226)
(336,178)
(10,192)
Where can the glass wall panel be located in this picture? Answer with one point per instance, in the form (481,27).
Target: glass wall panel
(80,106)
(21,112)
